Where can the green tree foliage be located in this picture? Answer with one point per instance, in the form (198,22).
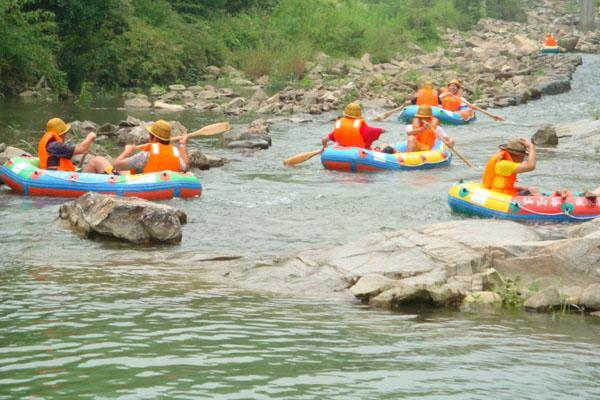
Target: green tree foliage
(133,43)
(29,42)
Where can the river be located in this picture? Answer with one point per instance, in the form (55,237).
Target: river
(94,319)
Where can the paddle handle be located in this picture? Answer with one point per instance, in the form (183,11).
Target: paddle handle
(452,149)
(388,113)
(208,130)
(474,107)
(300,158)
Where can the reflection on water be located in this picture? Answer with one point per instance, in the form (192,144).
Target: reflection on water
(80,318)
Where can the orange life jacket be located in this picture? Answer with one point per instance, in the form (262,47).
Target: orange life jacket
(64,164)
(550,41)
(427,137)
(162,157)
(346,132)
(450,103)
(495,182)
(428,97)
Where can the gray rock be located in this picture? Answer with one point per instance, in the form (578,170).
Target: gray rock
(107,129)
(177,88)
(546,135)
(255,136)
(135,135)
(555,86)
(156,91)
(12,152)
(590,298)
(545,300)
(198,160)
(215,162)
(138,102)
(130,219)
(371,285)
(2,147)
(29,94)
(83,128)
(163,106)
(249,144)
(481,301)
(130,122)
(568,42)
(213,70)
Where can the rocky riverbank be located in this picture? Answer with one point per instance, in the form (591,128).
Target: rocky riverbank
(460,264)
(498,62)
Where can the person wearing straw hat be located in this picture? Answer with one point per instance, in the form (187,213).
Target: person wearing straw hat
(158,155)
(515,157)
(424,130)
(452,98)
(55,154)
(427,95)
(352,131)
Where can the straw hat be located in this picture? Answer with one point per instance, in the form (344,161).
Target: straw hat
(160,129)
(455,82)
(57,126)
(514,146)
(427,85)
(424,112)
(353,110)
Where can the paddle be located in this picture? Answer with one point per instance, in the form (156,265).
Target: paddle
(300,158)
(474,107)
(388,113)
(452,149)
(208,130)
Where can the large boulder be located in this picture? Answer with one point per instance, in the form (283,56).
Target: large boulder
(82,128)
(140,101)
(568,42)
(129,219)
(255,136)
(11,152)
(590,298)
(525,46)
(545,300)
(164,106)
(545,135)
(135,135)
(556,85)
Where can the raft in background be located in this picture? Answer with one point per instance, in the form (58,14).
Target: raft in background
(461,117)
(354,159)
(23,176)
(550,49)
(471,199)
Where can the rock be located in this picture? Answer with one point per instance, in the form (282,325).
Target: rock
(371,285)
(555,86)
(130,122)
(135,135)
(259,96)
(170,95)
(590,298)
(481,301)
(545,300)
(524,45)
(177,88)
(156,91)
(215,162)
(241,82)
(11,152)
(208,95)
(161,105)
(107,129)
(83,128)
(198,160)
(255,136)
(545,135)
(249,144)
(2,147)
(213,70)
(138,102)
(29,94)
(131,219)
(568,42)
(235,103)
(595,314)
(365,60)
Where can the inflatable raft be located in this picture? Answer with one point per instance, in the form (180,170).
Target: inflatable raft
(471,199)
(461,117)
(354,159)
(23,176)
(550,49)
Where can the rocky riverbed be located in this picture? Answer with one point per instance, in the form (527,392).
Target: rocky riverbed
(471,264)
(498,62)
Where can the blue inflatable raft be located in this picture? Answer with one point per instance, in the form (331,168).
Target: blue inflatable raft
(354,159)
(461,117)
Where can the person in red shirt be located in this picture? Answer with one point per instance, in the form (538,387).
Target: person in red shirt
(352,131)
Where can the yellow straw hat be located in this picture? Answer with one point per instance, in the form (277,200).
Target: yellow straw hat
(455,82)
(424,112)
(353,110)
(57,126)
(514,146)
(160,129)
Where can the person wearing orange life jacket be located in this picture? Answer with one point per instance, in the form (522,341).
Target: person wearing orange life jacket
(501,171)
(55,154)
(421,134)
(158,155)
(426,96)
(352,131)
(550,41)
(452,98)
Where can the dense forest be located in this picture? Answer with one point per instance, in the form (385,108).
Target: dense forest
(112,44)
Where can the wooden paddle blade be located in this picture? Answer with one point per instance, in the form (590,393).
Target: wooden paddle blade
(300,158)
(211,129)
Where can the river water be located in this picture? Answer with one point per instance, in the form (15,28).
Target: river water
(95,319)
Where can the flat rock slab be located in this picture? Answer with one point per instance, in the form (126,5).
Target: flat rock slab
(131,219)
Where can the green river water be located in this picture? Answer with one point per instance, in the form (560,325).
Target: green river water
(92,319)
